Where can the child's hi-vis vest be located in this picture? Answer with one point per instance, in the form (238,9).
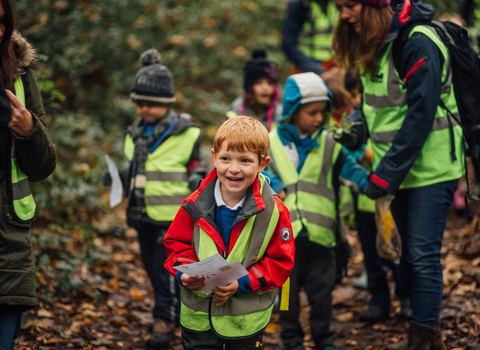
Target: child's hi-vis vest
(165,180)
(310,197)
(23,203)
(245,315)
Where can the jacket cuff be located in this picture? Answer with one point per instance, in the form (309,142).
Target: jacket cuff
(378,181)
(179,278)
(244,286)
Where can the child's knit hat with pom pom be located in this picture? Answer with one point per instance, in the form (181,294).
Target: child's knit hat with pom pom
(259,67)
(153,82)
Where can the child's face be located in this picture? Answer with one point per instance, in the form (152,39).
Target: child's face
(151,112)
(263,90)
(236,171)
(356,97)
(309,117)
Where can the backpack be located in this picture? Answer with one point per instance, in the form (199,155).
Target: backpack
(465,70)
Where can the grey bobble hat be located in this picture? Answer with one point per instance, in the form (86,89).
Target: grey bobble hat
(153,82)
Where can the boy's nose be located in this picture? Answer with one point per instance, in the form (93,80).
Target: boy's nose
(234,168)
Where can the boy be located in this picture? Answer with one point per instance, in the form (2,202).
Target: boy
(165,167)
(306,165)
(234,213)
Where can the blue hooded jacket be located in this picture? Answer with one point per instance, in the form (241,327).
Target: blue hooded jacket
(301,89)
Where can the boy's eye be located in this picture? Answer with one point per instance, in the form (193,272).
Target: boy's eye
(246,161)
(224,158)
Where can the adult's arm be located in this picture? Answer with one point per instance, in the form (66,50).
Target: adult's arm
(35,153)
(423,65)
(292,26)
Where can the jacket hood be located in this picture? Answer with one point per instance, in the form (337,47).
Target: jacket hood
(409,11)
(300,89)
(24,52)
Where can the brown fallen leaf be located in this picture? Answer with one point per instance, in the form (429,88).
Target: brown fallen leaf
(45,313)
(346,316)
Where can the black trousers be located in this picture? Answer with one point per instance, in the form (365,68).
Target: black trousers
(207,340)
(315,271)
(165,286)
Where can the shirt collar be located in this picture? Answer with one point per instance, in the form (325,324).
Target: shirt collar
(219,199)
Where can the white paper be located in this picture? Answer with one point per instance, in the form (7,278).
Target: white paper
(116,191)
(216,270)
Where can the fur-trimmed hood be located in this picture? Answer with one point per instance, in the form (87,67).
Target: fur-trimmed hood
(24,52)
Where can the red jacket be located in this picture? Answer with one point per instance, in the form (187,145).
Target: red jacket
(275,265)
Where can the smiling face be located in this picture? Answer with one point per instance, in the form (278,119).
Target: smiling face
(351,11)
(309,117)
(151,112)
(263,91)
(236,171)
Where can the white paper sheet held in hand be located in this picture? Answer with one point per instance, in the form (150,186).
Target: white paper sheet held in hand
(116,191)
(216,270)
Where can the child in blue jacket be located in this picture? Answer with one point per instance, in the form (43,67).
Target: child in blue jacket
(305,168)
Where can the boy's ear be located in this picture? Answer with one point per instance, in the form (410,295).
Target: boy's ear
(214,157)
(264,164)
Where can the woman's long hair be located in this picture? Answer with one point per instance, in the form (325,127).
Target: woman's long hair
(358,50)
(8,62)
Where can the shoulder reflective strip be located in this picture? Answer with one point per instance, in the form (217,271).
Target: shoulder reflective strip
(183,259)
(387,136)
(320,220)
(272,163)
(21,189)
(140,181)
(263,228)
(285,296)
(166,200)
(326,164)
(164,176)
(234,307)
(196,238)
(259,275)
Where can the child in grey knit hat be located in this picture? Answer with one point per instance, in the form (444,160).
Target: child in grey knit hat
(163,148)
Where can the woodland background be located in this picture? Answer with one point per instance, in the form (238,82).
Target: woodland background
(87,261)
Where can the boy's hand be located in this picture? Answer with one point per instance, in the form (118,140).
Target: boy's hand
(222,294)
(282,194)
(193,283)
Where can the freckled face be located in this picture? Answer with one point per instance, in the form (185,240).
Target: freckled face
(236,171)
(351,11)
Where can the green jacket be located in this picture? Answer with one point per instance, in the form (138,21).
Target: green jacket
(37,159)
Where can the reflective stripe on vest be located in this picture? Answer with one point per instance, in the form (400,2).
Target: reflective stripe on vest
(165,180)
(385,108)
(23,202)
(251,311)
(310,195)
(316,41)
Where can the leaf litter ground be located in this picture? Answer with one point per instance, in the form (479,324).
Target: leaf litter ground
(114,312)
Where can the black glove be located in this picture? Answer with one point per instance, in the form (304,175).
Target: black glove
(348,140)
(374,191)
(106,179)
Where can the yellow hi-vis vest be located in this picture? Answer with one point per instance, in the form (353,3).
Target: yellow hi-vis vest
(310,195)
(385,108)
(165,180)
(316,36)
(245,315)
(23,202)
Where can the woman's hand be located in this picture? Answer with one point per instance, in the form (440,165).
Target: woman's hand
(222,294)
(22,122)
(193,283)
